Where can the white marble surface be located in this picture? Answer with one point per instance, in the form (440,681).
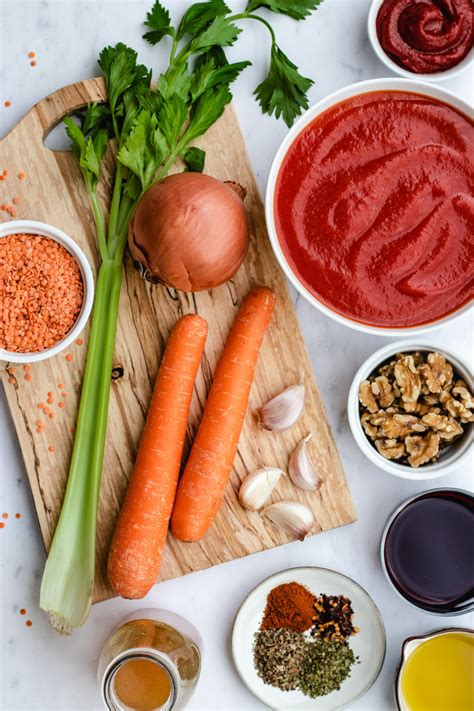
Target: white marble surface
(40,670)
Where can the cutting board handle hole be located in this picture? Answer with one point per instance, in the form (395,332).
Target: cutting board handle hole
(117,372)
(57,139)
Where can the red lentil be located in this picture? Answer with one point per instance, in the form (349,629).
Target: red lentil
(79,341)
(33,63)
(28,376)
(8,103)
(22,611)
(10,371)
(2,525)
(4,515)
(50,401)
(21,175)
(31,55)
(28,623)
(40,406)
(18,515)
(16,200)
(61,386)
(41,289)
(51,415)
(39,423)
(64,394)
(51,448)
(61,404)
(69,357)
(47,410)
(5,173)
(11,380)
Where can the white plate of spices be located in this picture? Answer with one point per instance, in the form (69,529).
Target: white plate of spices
(308,638)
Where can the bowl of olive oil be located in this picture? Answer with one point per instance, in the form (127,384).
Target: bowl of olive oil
(436,672)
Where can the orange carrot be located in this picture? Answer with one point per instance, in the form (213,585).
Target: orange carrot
(140,534)
(202,485)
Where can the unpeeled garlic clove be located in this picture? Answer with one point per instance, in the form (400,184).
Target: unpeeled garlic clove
(257,487)
(293,517)
(282,411)
(301,469)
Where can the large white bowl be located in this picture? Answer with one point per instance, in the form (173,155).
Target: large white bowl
(41,228)
(464,64)
(362,87)
(450,458)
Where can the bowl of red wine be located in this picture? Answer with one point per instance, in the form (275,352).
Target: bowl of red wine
(426,551)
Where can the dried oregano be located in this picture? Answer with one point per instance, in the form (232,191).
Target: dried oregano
(325,666)
(279,656)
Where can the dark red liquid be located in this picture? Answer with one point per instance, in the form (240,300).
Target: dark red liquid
(429,551)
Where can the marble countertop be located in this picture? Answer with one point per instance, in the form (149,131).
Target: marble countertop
(40,670)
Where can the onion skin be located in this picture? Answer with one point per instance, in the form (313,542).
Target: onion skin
(190,232)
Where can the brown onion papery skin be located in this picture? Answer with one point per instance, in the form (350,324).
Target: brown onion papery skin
(190,231)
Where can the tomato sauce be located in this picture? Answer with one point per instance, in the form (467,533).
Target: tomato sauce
(374,208)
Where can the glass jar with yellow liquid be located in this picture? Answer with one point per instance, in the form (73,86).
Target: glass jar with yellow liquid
(151,661)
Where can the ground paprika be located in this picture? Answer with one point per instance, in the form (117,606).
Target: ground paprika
(289,605)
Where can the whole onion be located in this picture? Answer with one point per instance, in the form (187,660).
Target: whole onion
(190,232)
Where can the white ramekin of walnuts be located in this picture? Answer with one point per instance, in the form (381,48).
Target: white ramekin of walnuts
(411,410)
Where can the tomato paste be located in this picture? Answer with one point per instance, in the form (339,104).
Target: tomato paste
(374,208)
(426,36)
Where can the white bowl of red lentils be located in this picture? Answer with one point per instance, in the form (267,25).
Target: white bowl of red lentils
(47,291)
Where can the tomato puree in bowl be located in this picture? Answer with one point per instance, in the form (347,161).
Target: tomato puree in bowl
(374,208)
(426,36)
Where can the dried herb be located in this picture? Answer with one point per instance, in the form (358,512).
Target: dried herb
(278,657)
(332,618)
(326,665)
(289,605)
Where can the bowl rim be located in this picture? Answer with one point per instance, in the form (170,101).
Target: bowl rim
(362,87)
(385,531)
(401,71)
(404,656)
(427,471)
(295,569)
(50,231)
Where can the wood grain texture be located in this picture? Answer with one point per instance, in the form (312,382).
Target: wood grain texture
(53,192)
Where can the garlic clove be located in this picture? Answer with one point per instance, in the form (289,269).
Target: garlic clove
(282,411)
(301,469)
(257,487)
(293,517)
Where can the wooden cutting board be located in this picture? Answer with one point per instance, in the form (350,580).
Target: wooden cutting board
(53,192)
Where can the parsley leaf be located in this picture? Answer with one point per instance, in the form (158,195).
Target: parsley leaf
(298,10)
(207,74)
(171,118)
(194,159)
(221,32)
(199,16)
(207,109)
(158,20)
(283,92)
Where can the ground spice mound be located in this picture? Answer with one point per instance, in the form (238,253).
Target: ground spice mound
(289,605)
(41,292)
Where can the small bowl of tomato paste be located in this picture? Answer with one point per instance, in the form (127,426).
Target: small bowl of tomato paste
(370,206)
(429,39)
